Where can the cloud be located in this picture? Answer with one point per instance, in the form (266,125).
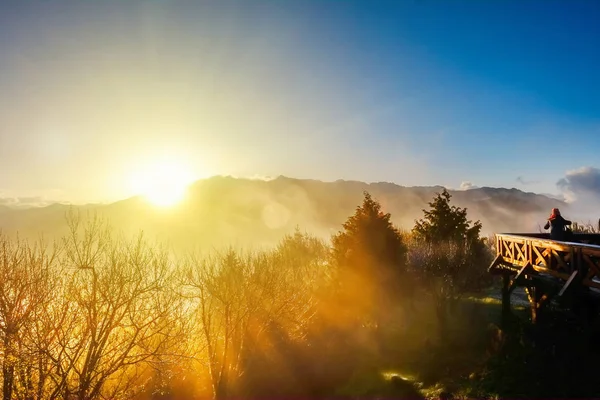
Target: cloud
(259,177)
(581,188)
(255,177)
(25,202)
(580,184)
(466,185)
(522,181)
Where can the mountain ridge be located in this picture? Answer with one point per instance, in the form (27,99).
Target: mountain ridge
(225,210)
(4,206)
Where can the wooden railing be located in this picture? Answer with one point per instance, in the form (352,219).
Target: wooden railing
(558,259)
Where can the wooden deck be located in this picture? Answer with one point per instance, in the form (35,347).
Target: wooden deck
(547,268)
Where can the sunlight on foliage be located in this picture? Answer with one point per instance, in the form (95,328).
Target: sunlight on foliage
(377,311)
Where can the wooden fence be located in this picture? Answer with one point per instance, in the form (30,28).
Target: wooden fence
(561,260)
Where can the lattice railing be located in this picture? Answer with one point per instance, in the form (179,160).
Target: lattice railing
(559,259)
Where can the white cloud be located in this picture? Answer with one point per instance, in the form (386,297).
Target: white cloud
(9,199)
(581,184)
(466,185)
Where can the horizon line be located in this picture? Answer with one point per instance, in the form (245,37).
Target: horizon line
(256,177)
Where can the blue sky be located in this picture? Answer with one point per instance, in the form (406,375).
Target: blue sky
(413,92)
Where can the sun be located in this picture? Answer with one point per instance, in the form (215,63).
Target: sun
(163,183)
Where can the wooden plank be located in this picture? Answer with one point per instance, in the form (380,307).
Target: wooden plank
(520,277)
(567,285)
(505,245)
(544,300)
(594,270)
(537,268)
(590,283)
(549,244)
(560,261)
(591,274)
(539,256)
(495,263)
(520,253)
(529,292)
(505,299)
(592,265)
(548,253)
(531,295)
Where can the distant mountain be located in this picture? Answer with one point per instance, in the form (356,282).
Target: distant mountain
(233,211)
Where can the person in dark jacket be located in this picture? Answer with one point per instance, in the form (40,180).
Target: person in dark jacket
(557,224)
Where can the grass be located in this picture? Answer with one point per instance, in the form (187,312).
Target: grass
(465,363)
(551,359)
(475,358)
(410,368)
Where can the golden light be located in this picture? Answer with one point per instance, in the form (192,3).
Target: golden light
(388,375)
(164,183)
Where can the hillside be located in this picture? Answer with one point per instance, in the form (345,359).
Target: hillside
(232,211)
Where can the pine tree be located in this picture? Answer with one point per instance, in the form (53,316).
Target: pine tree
(446,223)
(370,256)
(369,240)
(449,255)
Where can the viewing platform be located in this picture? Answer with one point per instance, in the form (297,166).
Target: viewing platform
(548,269)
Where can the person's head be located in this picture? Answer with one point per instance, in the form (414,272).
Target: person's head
(555,213)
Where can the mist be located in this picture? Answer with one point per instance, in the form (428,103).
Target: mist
(327,285)
(224,211)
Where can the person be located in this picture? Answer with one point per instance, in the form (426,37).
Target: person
(557,225)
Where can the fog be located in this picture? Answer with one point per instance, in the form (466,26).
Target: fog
(255,213)
(226,295)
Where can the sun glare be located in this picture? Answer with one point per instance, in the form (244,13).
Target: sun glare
(164,183)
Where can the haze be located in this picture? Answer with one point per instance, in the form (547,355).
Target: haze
(276,199)
(97,95)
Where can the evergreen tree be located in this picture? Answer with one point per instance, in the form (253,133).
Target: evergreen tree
(370,256)
(448,254)
(446,223)
(369,240)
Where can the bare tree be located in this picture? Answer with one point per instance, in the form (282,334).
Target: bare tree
(237,297)
(24,290)
(97,316)
(116,313)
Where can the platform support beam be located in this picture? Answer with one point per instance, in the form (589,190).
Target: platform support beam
(569,284)
(505,298)
(521,277)
(494,264)
(533,295)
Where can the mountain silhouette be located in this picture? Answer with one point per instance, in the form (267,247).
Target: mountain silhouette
(223,211)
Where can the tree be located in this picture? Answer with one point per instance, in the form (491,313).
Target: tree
(446,223)
(448,254)
(371,257)
(25,285)
(117,313)
(240,300)
(369,239)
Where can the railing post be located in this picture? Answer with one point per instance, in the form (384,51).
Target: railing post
(505,299)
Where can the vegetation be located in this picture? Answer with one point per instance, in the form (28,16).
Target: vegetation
(446,223)
(578,227)
(448,255)
(370,258)
(376,312)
